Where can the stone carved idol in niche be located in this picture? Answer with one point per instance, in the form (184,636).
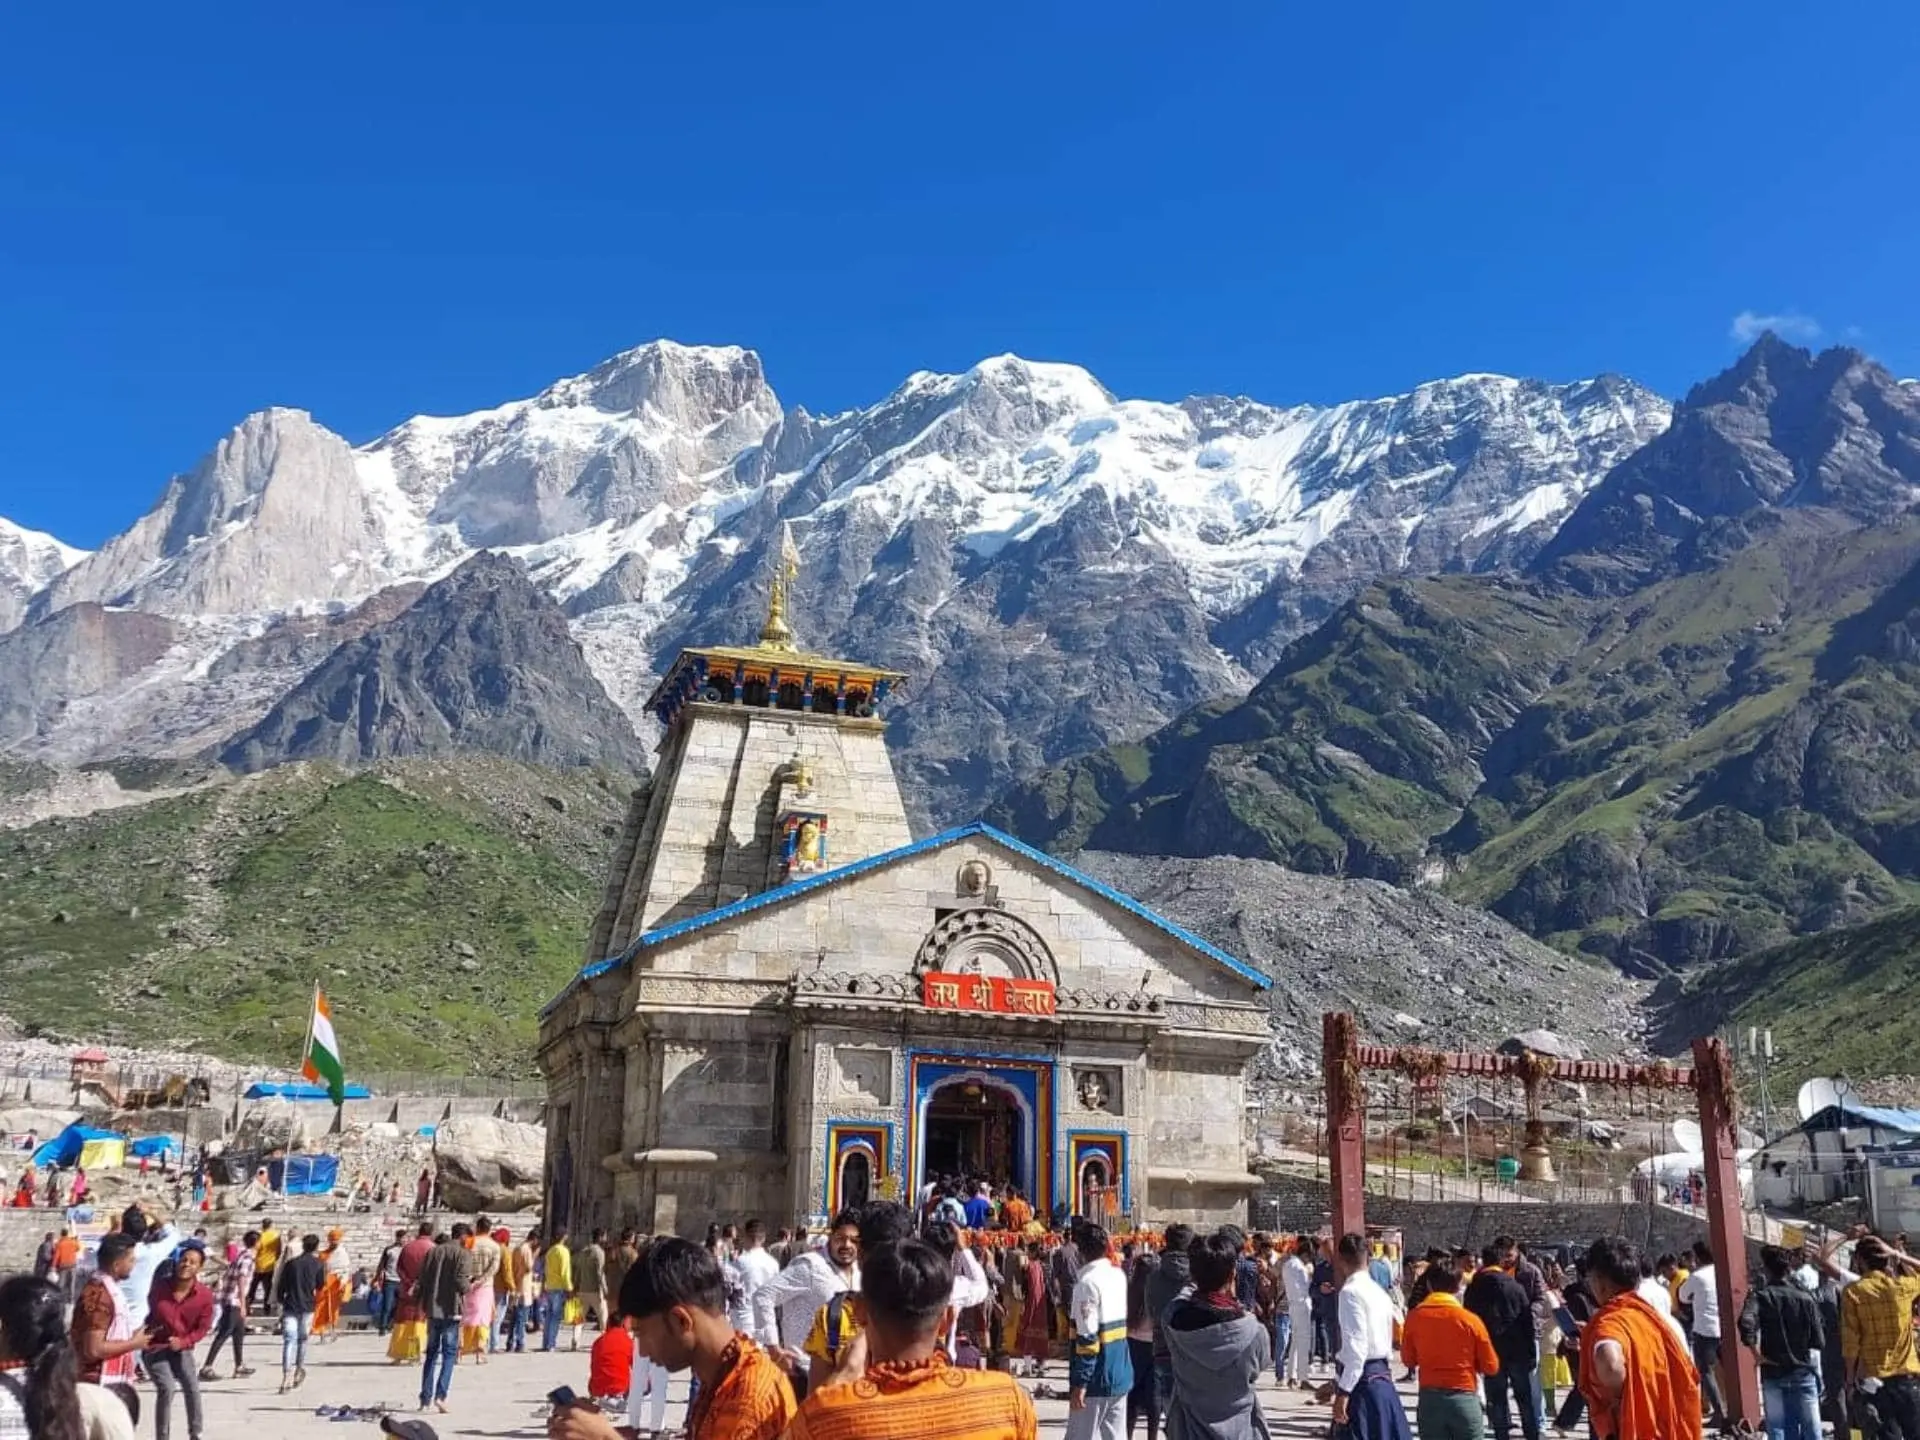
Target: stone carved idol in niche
(975,876)
(1095,1089)
(803,847)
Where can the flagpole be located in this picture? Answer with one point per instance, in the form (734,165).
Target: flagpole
(306,1046)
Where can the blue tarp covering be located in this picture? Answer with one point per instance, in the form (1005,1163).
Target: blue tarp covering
(272,1089)
(304,1174)
(64,1149)
(1852,1112)
(154,1145)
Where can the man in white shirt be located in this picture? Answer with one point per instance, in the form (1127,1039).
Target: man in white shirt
(1653,1290)
(1296,1277)
(1701,1294)
(1100,1364)
(1364,1397)
(785,1305)
(753,1267)
(159,1240)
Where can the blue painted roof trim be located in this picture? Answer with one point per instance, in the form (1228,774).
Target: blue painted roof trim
(971,830)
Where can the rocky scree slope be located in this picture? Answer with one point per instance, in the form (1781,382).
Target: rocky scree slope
(1662,746)
(1415,967)
(1057,569)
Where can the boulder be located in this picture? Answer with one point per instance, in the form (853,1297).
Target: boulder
(1541,1042)
(273,1125)
(44,1121)
(489,1164)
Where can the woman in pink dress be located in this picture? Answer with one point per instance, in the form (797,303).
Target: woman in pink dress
(476,1317)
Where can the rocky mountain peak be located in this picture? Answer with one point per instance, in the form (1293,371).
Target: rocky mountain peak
(690,386)
(1780,429)
(273,517)
(481,661)
(29,560)
(965,527)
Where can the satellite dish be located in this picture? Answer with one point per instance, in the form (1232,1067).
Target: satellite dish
(1816,1095)
(1686,1134)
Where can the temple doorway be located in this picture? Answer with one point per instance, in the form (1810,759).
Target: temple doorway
(856,1178)
(975,1129)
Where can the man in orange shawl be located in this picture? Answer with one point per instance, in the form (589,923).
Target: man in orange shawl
(334,1295)
(1638,1378)
(674,1303)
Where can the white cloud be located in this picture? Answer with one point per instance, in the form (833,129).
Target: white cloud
(1749,326)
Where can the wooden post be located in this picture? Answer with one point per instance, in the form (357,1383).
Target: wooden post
(1340,1058)
(1713,1083)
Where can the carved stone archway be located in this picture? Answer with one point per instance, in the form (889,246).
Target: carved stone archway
(987,940)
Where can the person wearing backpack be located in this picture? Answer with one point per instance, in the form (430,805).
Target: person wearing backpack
(881,1223)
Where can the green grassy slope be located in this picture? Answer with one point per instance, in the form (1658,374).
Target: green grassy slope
(1847,1001)
(1665,778)
(440,903)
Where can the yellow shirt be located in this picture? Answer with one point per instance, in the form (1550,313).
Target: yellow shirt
(267,1253)
(1876,1323)
(817,1346)
(559,1269)
(1673,1285)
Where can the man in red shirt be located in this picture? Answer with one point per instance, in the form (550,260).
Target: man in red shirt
(610,1365)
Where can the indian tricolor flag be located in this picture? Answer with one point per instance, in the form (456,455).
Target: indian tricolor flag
(322,1061)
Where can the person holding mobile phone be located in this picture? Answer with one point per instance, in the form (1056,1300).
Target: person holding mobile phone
(674,1302)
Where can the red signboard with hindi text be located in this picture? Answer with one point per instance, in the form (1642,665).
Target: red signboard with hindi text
(996,993)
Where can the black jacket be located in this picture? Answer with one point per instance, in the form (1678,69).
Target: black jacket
(1502,1305)
(1163,1288)
(1783,1322)
(298,1284)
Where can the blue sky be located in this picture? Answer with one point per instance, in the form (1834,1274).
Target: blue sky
(371,211)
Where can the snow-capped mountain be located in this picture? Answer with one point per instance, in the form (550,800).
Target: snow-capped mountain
(1056,568)
(29,561)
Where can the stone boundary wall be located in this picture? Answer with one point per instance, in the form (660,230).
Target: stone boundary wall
(217,1118)
(1290,1203)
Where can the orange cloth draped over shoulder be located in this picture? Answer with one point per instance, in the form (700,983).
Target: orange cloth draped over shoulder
(1661,1400)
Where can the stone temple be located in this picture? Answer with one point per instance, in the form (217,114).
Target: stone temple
(790,1005)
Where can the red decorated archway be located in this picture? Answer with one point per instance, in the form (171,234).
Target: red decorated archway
(1710,1079)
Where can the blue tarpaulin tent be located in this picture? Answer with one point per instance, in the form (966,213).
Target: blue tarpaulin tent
(299,1090)
(154,1146)
(304,1174)
(71,1144)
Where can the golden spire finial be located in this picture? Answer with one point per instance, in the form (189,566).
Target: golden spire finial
(776,634)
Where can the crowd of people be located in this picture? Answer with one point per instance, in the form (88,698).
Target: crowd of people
(1177,1338)
(901,1321)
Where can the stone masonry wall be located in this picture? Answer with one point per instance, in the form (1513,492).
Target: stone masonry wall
(714,837)
(1291,1203)
(874,924)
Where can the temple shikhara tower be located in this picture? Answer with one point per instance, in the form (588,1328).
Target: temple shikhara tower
(790,1005)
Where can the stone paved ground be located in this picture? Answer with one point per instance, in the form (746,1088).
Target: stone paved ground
(504,1399)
